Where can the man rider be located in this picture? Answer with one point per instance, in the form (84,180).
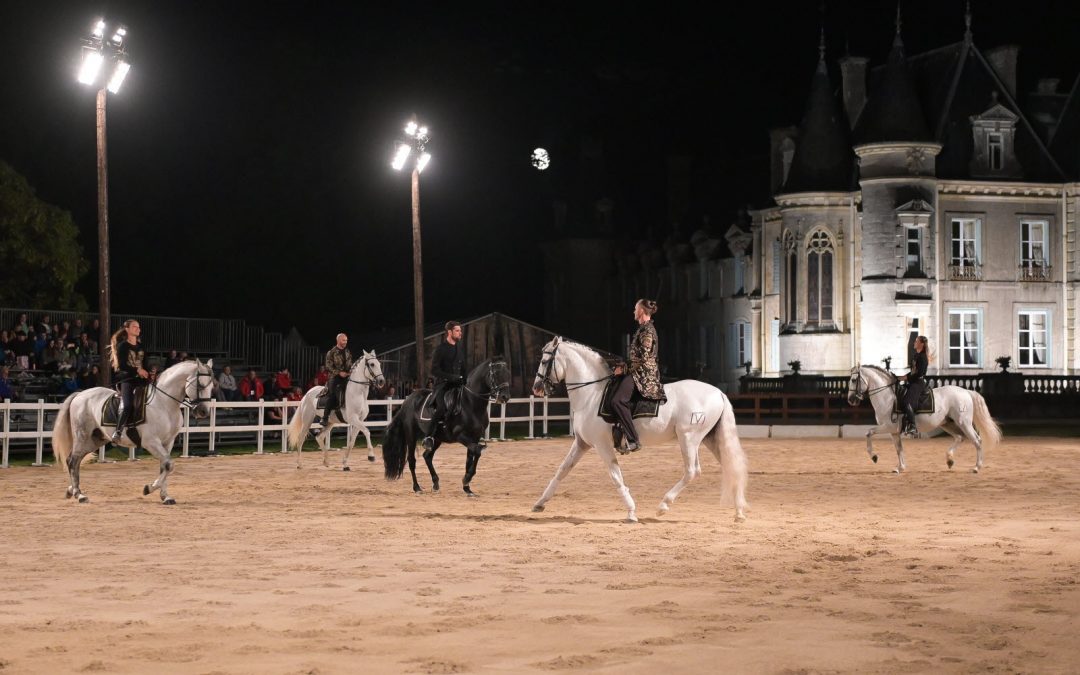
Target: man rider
(339,362)
(448,369)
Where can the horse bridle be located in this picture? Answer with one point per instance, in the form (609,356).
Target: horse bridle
(859,395)
(549,384)
(493,389)
(188,401)
(370,373)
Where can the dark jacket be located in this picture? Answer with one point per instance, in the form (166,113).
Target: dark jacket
(448,363)
(644,366)
(918,369)
(130,359)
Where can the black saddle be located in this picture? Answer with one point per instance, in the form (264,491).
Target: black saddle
(452,396)
(639,405)
(925,406)
(110,411)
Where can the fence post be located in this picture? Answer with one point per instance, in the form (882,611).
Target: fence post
(187,432)
(487,431)
(38,458)
(502,422)
(259,431)
(544,426)
(7,430)
(284,427)
(532,419)
(213,425)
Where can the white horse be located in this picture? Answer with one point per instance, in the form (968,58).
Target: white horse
(78,430)
(366,371)
(695,412)
(959,412)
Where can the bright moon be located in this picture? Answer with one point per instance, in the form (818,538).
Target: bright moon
(540,159)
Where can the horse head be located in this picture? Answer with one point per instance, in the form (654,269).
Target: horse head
(549,372)
(372,369)
(498,380)
(199,387)
(865,381)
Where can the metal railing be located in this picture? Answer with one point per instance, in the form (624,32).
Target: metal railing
(30,424)
(1033,270)
(968,271)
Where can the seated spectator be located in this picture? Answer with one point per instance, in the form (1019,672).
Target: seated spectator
(283,381)
(322,377)
(44,326)
(50,356)
(172,359)
(5,350)
(41,341)
(66,359)
(84,354)
(294,394)
(21,324)
(70,385)
(226,385)
(251,387)
(23,350)
(391,392)
(77,329)
(183,356)
(91,378)
(94,330)
(7,387)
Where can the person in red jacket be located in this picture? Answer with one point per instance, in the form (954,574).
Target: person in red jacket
(251,387)
(284,381)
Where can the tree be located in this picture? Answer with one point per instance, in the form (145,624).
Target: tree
(39,252)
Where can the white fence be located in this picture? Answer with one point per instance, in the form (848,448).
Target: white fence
(31,423)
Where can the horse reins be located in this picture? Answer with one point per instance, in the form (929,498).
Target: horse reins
(493,394)
(570,386)
(870,392)
(188,401)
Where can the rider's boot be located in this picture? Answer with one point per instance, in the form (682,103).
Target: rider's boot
(909,422)
(121,423)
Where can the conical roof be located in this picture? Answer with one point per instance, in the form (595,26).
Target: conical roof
(823,157)
(893,113)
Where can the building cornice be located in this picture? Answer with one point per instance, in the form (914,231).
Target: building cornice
(1005,188)
(837,199)
(889,148)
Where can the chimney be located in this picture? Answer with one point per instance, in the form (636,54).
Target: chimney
(853,69)
(1003,61)
(781,151)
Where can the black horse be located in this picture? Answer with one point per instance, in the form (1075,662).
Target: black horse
(464,423)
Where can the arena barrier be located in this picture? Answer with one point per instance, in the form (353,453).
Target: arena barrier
(30,424)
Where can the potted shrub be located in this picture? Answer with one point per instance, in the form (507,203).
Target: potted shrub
(795,366)
(1004,362)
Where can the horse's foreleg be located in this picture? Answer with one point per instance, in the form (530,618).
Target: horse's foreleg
(608,455)
(429,459)
(577,450)
(412,467)
(472,459)
(691,470)
(367,437)
(165,468)
(350,440)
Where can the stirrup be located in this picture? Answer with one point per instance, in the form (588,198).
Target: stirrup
(117,436)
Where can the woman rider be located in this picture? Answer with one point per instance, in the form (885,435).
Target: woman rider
(644,372)
(126,357)
(916,384)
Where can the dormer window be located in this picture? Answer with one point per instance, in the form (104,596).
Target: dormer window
(994,153)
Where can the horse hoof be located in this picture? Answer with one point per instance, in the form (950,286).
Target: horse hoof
(345,468)
(83,499)
(896,471)
(538,508)
(472,495)
(949,463)
(145,490)
(873,458)
(631,519)
(662,509)
(740,518)
(975,470)
(434,488)
(371,458)
(67,493)
(168,501)
(418,491)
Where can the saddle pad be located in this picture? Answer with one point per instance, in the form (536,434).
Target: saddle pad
(639,406)
(453,403)
(925,407)
(110,410)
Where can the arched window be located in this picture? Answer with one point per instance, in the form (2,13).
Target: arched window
(819,278)
(791,277)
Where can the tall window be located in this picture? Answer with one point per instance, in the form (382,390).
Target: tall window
(777,260)
(819,281)
(740,344)
(1032,337)
(965,241)
(740,275)
(995,151)
(1033,243)
(965,337)
(914,251)
(792,279)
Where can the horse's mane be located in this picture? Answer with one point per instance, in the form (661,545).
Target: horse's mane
(888,376)
(603,354)
(172,371)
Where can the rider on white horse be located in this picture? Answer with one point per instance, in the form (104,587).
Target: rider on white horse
(448,369)
(644,373)
(916,384)
(339,362)
(126,357)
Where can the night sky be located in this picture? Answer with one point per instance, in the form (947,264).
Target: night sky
(249,149)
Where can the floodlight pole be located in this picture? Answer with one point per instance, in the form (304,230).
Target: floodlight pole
(105,371)
(418,280)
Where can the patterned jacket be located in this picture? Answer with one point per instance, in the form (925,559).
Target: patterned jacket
(338,360)
(644,367)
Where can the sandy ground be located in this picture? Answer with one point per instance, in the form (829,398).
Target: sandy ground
(260,568)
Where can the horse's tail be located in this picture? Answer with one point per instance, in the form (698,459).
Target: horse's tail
(301,421)
(728,449)
(394,442)
(62,440)
(988,429)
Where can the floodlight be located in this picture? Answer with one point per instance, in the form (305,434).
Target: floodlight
(422,161)
(402,154)
(91,66)
(121,71)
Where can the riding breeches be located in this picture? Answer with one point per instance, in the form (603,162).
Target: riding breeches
(913,394)
(621,403)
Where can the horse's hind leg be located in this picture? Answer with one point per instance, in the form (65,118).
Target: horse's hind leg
(691,450)
(969,430)
(323,439)
(165,466)
(429,459)
(577,450)
(82,448)
(958,437)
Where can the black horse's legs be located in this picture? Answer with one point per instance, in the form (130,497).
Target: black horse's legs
(429,457)
(471,460)
(412,468)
